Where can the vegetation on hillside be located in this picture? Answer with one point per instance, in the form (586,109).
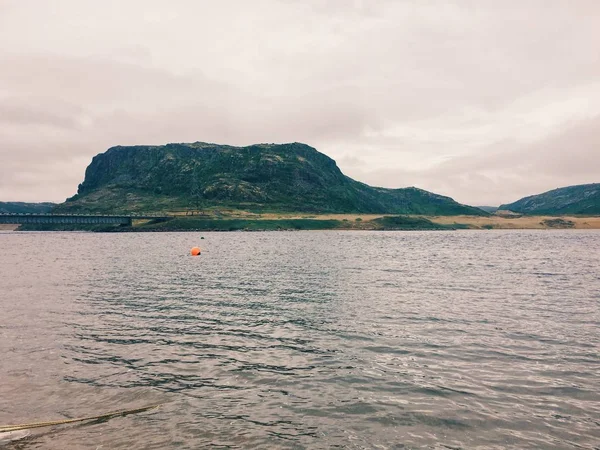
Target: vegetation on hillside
(266,177)
(583,199)
(25,208)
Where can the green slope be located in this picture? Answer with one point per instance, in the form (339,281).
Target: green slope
(265,177)
(582,199)
(25,208)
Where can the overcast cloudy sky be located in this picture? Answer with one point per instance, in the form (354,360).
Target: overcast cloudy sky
(484,101)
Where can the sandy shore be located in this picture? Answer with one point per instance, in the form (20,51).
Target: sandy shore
(475,222)
(8,227)
(522,223)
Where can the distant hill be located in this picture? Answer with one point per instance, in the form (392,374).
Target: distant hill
(581,199)
(489,209)
(24,208)
(264,177)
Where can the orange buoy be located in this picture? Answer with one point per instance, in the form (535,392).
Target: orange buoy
(195,251)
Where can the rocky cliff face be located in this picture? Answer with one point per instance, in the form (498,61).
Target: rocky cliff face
(581,199)
(286,177)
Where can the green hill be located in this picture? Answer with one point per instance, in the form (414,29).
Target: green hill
(265,177)
(25,208)
(581,199)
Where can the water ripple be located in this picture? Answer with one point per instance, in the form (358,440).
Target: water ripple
(305,340)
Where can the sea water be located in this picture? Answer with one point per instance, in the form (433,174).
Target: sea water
(458,339)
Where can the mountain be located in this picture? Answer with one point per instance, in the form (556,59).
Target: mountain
(489,209)
(581,199)
(264,177)
(24,208)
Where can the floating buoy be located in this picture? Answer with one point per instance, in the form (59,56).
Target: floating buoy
(195,251)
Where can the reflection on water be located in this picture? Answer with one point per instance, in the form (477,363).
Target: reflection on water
(304,339)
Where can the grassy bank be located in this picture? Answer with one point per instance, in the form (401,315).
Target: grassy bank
(238,224)
(205,223)
(201,224)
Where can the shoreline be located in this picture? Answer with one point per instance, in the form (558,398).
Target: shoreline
(341,222)
(523,222)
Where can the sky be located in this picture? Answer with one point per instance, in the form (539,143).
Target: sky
(482,101)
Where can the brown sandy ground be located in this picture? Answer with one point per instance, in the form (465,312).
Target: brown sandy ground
(521,222)
(505,221)
(364,221)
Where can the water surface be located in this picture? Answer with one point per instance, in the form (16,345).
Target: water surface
(468,339)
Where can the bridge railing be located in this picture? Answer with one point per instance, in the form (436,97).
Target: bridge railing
(45,218)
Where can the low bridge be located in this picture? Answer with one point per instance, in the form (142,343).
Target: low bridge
(76,218)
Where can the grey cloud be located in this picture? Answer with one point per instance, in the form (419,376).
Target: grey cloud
(92,82)
(25,111)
